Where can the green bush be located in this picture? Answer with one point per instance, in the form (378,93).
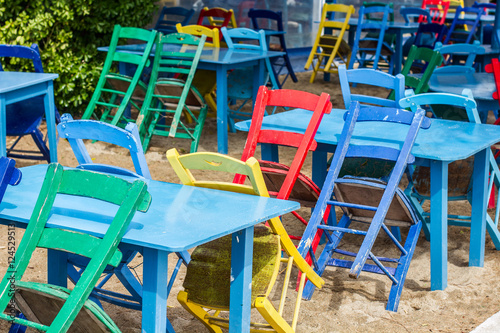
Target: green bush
(68,33)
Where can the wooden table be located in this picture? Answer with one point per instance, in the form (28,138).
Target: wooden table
(444,142)
(19,86)
(179,218)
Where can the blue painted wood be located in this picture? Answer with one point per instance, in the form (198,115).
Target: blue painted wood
(167,227)
(471,50)
(370,77)
(478,214)
(412,14)
(456,33)
(170,16)
(18,86)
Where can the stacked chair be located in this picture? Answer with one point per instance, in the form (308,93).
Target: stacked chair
(464,29)
(170,16)
(438,10)
(454,63)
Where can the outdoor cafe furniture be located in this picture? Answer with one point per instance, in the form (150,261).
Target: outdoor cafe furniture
(443,143)
(170,16)
(464,29)
(167,227)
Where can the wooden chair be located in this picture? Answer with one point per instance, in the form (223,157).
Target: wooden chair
(206,285)
(389,38)
(238,85)
(414,14)
(329,48)
(170,103)
(486,29)
(438,10)
(273,21)
(428,34)
(457,108)
(170,16)
(452,64)
(372,50)
(367,201)
(24,117)
(283,181)
(204,80)
(464,30)
(116,92)
(217,17)
(53,308)
(9,174)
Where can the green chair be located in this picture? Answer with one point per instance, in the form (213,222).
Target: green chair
(56,309)
(115,92)
(168,109)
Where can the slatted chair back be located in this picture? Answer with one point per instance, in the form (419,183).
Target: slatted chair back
(438,10)
(170,16)
(453,65)
(420,60)
(464,29)
(51,308)
(414,14)
(217,17)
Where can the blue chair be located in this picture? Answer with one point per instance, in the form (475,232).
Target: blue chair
(170,16)
(427,35)
(367,201)
(24,118)
(413,14)
(373,78)
(75,131)
(372,50)
(457,108)
(454,53)
(274,20)
(239,87)
(487,30)
(464,30)
(9,174)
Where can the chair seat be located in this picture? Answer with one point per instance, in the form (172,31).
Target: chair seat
(42,302)
(122,82)
(327,43)
(174,87)
(208,274)
(304,190)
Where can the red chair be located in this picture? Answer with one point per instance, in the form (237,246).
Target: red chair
(438,10)
(282,181)
(217,17)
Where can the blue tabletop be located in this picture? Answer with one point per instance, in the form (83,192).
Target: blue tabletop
(179,218)
(482,84)
(444,141)
(390,25)
(11,81)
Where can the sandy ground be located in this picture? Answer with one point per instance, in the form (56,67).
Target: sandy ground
(343,305)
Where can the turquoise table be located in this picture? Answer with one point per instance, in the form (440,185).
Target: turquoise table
(18,86)
(180,218)
(445,141)
(220,60)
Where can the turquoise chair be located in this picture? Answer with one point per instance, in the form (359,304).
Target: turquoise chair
(452,63)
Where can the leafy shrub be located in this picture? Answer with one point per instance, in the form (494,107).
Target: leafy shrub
(68,33)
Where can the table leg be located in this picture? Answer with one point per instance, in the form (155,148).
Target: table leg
(241,281)
(221,109)
(439,225)
(479,200)
(398,54)
(319,167)
(154,291)
(3,127)
(50,118)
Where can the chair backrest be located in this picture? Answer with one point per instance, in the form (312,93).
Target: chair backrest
(428,34)
(456,33)
(454,4)
(266,19)
(370,77)
(371,16)
(438,10)
(471,50)
(330,9)
(304,143)
(83,185)
(170,16)
(78,130)
(489,8)
(242,19)
(426,60)
(213,34)
(113,57)
(414,14)
(9,174)
(19,51)
(217,17)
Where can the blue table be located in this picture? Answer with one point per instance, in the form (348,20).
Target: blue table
(221,60)
(444,142)
(180,218)
(19,86)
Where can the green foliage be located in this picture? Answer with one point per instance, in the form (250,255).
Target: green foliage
(68,33)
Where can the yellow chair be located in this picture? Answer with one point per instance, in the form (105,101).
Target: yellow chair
(330,44)
(204,80)
(205,288)
(454,5)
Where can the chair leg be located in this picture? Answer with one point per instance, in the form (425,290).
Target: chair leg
(197,311)
(269,313)
(38,138)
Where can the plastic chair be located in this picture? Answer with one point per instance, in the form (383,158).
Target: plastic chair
(53,308)
(238,85)
(116,91)
(457,108)
(370,77)
(274,22)
(464,30)
(367,201)
(204,282)
(170,16)
(204,80)
(438,10)
(371,50)
(328,47)
(24,117)
(450,64)
(283,181)
(169,105)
